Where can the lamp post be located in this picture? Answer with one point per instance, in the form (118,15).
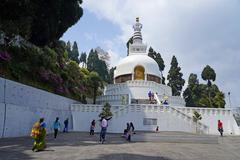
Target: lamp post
(229,100)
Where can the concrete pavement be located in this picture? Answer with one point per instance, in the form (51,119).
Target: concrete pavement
(145,146)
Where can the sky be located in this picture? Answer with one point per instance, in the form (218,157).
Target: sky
(197,32)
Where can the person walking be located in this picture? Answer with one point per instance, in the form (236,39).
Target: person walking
(150,95)
(132,128)
(92,127)
(104,125)
(65,126)
(220,127)
(39,134)
(56,127)
(128,135)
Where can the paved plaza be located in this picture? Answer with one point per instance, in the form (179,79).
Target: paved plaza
(145,146)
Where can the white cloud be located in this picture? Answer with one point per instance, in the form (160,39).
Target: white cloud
(115,57)
(198,32)
(90,36)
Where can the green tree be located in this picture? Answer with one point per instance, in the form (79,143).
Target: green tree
(111,75)
(69,47)
(130,41)
(74,54)
(196,117)
(39,21)
(158,58)
(218,100)
(91,60)
(97,65)
(106,111)
(208,74)
(175,80)
(95,82)
(192,92)
(83,57)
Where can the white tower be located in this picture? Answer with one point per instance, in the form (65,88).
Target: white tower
(137,47)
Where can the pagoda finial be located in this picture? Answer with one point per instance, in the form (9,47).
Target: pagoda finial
(137,36)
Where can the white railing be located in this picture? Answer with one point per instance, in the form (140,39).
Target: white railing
(137,83)
(92,107)
(205,111)
(113,99)
(86,108)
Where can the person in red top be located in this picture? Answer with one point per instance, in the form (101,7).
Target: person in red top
(220,127)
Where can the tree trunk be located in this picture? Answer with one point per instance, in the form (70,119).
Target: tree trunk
(209,98)
(196,126)
(94,95)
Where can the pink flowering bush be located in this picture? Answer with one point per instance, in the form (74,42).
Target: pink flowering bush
(5,56)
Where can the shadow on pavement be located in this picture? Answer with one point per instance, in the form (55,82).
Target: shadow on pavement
(129,157)
(20,147)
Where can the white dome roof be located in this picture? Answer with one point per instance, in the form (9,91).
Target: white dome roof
(127,65)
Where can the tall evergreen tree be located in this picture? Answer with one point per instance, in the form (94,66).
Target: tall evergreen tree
(130,41)
(69,47)
(111,75)
(192,92)
(175,80)
(97,65)
(83,58)
(95,83)
(74,54)
(158,58)
(91,60)
(208,74)
(212,96)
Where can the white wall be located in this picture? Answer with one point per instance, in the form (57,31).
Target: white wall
(168,119)
(165,121)
(1,118)
(210,117)
(25,105)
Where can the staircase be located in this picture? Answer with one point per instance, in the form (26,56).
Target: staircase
(203,128)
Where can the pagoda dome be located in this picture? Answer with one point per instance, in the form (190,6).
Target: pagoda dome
(126,69)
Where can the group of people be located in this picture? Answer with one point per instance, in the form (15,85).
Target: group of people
(151,96)
(129,131)
(39,132)
(103,125)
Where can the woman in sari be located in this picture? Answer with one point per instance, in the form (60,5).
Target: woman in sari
(39,135)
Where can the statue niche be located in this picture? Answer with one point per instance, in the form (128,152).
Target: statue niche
(139,73)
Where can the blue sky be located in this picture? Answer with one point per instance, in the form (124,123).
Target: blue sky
(198,33)
(91,32)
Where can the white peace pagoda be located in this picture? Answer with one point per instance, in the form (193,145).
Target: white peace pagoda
(134,77)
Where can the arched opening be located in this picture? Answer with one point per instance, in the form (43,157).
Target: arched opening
(139,73)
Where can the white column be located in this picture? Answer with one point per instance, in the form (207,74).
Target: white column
(129,98)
